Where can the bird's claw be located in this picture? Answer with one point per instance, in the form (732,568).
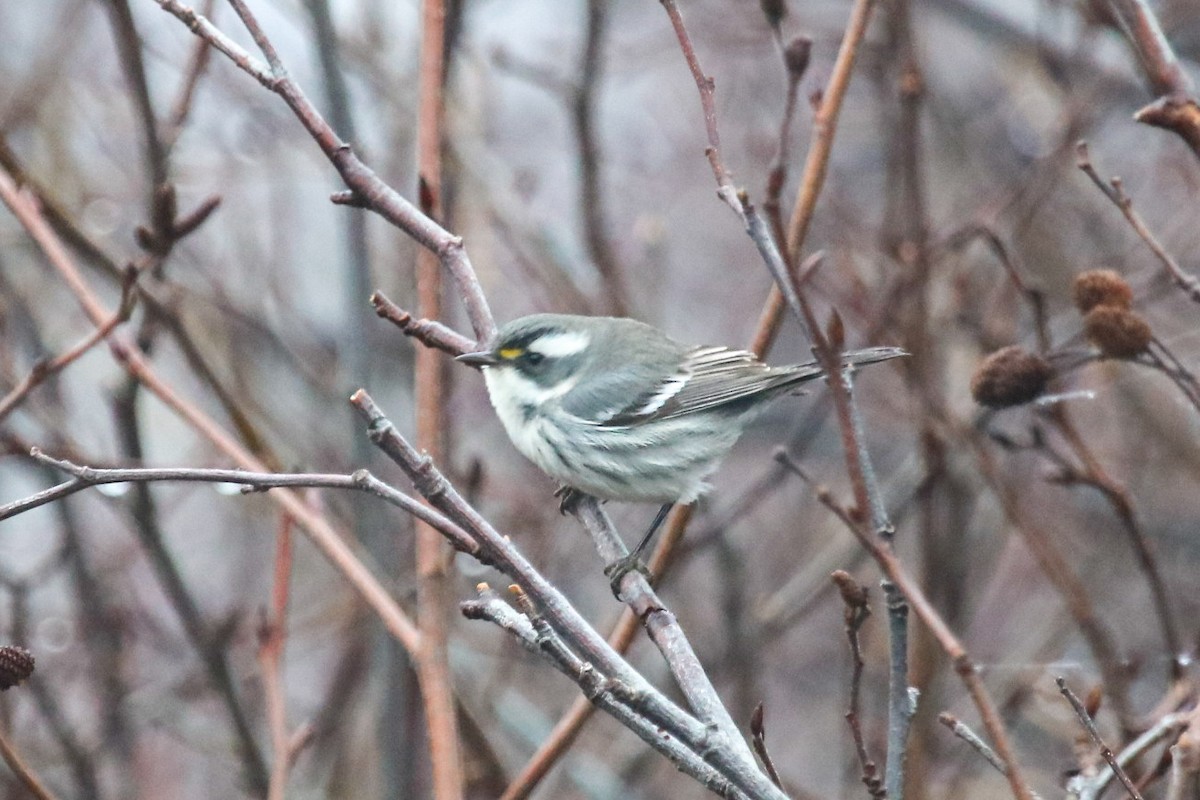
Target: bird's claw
(568,499)
(617,570)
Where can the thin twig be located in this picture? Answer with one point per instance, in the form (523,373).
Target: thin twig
(134,360)
(705,84)
(361,480)
(42,370)
(758,738)
(1090,787)
(1093,474)
(856,612)
(23,771)
(880,549)
(172,127)
(964,732)
(428,332)
(272,635)
(1086,720)
(368,189)
(1114,190)
(1066,581)
(824,128)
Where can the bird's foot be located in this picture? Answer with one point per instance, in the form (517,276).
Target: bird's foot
(617,570)
(568,499)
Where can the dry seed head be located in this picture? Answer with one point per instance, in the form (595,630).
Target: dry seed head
(1101,287)
(1118,332)
(1009,377)
(16,664)
(796,56)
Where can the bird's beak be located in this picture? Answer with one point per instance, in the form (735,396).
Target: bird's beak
(484,358)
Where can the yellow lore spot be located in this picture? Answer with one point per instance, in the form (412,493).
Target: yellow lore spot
(509,353)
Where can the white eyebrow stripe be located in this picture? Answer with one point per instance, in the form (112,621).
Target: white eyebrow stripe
(558,345)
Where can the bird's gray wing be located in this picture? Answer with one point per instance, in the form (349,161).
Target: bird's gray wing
(618,383)
(707,378)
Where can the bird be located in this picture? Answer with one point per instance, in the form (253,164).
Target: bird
(615,408)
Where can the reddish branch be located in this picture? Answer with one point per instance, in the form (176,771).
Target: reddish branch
(434,590)
(25,774)
(44,369)
(331,543)
(271,637)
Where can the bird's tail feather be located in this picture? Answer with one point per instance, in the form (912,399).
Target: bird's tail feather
(851,358)
(872,355)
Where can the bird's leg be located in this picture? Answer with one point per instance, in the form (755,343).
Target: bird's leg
(618,569)
(659,519)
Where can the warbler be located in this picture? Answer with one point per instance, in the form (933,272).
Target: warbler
(617,409)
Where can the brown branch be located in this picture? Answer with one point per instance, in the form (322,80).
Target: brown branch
(1066,581)
(880,549)
(25,774)
(1086,720)
(172,127)
(129,45)
(1114,190)
(856,612)
(434,565)
(428,332)
(1176,109)
(592,205)
(1093,474)
(705,84)
(368,189)
(758,738)
(272,634)
(44,369)
(824,127)
(331,543)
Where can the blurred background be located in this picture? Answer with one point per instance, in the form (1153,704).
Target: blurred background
(953,169)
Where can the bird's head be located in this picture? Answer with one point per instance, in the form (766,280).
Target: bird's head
(545,350)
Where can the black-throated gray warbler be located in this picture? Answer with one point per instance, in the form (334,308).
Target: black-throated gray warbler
(619,410)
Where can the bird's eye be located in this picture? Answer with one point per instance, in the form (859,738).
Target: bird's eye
(533,358)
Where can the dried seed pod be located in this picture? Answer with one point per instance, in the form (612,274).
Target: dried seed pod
(1009,377)
(1118,332)
(1101,287)
(16,664)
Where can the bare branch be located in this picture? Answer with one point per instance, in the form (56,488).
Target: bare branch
(368,188)
(1086,720)
(1114,190)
